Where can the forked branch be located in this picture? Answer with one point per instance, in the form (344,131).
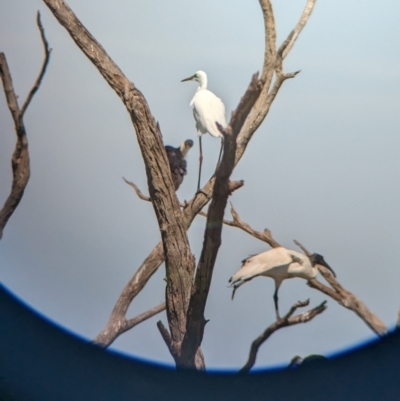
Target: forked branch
(345,298)
(179,260)
(212,235)
(119,325)
(336,291)
(254,120)
(265,236)
(287,320)
(20,159)
(45,63)
(287,45)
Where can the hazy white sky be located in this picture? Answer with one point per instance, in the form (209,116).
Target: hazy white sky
(323,168)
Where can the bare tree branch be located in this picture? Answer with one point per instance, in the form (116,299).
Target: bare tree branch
(212,235)
(233,186)
(113,327)
(199,358)
(106,337)
(145,315)
(139,193)
(265,236)
(287,320)
(45,63)
(345,298)
(337,292)
(268,94)
(349,301)
(193,207)
(166,337)
(287,45)
(117,318)
(303,248)
(20,159)
(179,260)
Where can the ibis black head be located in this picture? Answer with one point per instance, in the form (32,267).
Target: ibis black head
(317,259)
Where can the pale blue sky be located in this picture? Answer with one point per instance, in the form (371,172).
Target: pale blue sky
(323,168)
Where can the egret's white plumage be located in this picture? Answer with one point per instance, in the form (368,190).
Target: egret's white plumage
(208,110)
(279,264)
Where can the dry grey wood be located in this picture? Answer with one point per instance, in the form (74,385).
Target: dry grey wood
(289,42)
(193,207)
(345,298)
(130,95)
(179,260)
(337,291)
(265,236)
(287,320)
(233,186)
(212,235)
(348,300)
(118,315)
(20,159)
(123,325)
(139,193)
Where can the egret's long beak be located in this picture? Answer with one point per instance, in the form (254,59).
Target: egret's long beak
(188,79)
(323,263)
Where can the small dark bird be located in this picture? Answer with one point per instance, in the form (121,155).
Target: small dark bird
(298,360)
(177,162)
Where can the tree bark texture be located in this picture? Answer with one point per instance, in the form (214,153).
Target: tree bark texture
(20,160)
(258,113)
(212,235)
(179,260)
(287,320)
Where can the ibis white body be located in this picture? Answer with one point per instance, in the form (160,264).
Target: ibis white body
(279,264)
(208,110)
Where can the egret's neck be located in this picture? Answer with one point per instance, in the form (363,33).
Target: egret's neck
(202,83)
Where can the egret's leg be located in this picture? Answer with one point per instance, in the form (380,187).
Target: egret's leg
(220,152)
(276,302)
(200,163)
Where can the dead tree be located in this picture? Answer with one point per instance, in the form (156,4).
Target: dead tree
(336,291)
(186,292)
(272,77)
(20,159)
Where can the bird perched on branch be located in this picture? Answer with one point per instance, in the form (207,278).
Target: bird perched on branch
(208,110)
(298,360)
(279,264)
(177,162)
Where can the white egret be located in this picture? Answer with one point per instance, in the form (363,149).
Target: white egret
(279,264)
(208,110)
(177,162)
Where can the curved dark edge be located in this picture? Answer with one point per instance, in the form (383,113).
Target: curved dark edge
(40,361)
